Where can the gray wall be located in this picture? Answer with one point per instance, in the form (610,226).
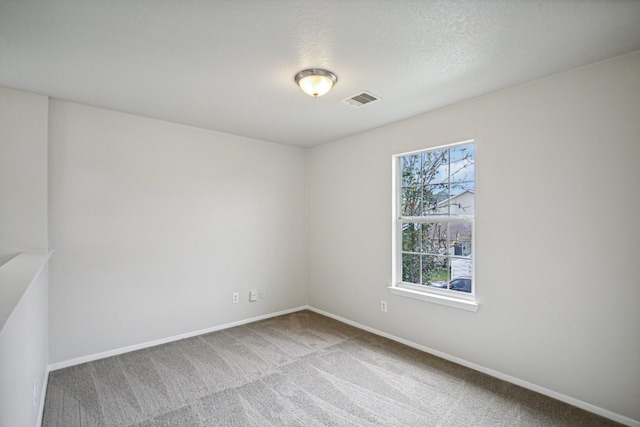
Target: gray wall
(557,234)
(154,226)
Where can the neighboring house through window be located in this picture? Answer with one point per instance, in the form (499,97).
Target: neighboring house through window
(433,223)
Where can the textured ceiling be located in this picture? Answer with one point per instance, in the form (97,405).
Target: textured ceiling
(229,65)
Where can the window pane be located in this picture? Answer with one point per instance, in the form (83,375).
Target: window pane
(411,170)
(460,267)
(411,237)
(434,237)
(436,199)
(461,284)
(462,164)
(435,167)
(412,201)
(460,238)
(459,187)
(462,200)
(434,269)
(411,268)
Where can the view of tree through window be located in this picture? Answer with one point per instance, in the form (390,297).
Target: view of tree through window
(436,211)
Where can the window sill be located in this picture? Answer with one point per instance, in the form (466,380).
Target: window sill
(449,301)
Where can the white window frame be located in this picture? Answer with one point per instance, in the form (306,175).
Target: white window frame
(456,299)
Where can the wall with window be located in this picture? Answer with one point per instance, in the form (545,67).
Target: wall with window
(556,267)
(154,226)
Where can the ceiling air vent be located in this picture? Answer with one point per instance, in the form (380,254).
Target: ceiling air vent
(361,99)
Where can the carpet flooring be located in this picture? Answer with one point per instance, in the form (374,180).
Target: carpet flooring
(300,369)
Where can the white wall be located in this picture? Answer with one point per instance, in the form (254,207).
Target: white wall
(557,268)
(23,172)
(23,227)
(24,355)
(154,226)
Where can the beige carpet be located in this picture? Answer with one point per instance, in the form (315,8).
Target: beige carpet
(301,369)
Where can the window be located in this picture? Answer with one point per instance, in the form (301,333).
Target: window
(433,224)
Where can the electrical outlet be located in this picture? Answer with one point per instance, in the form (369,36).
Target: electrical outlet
(263,293)
(253,295)
(383,306)
(236,297)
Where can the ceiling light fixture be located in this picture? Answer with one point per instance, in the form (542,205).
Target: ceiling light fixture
(315,81)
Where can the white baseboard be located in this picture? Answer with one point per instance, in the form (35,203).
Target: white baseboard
(558,396)
(109,353)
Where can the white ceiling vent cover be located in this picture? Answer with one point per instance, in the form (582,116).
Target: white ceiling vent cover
(361,99)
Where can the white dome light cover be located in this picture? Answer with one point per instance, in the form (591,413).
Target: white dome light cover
(315,81)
